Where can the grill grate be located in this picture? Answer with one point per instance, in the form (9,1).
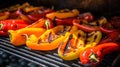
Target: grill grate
(47,59)
(42,58)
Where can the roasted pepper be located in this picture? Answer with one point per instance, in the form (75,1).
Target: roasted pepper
(87,26)
(73,29)
(17,37)
(86,16)
(23,16)
(38,14)
(95,54)
(63,21)
(47,41)
(112,37)
(93,38)
(42,23)
(6,25)
(4,15)
(84,27)
(62,29)
(106,31)
(107,28)
(63,14)
(69,49)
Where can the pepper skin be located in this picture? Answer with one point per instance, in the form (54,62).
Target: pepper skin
(42,23)
(4,15)
(85,27)
(93,38)
(87,16)
(17,37)
(63,21)
(62,29)
(64,14)
(69,49)
(47,41)
(106,31)
(112,37)
(6,25)
(95,54)
(38,14)
(107,28)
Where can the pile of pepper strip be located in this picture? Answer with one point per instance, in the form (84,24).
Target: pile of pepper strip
(75,35)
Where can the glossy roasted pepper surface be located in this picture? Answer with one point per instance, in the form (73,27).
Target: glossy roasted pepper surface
(69,49)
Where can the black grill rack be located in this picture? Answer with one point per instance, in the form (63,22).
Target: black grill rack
(41,58)
(46,58)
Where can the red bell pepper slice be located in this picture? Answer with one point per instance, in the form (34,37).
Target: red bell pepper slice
(112,37)
(95,54)
(2,33)
(106,31)
(63,21)
(36,15)
(6,25)
(85,28)
(86,16)
(115,21)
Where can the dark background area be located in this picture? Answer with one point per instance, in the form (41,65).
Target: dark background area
(97,7)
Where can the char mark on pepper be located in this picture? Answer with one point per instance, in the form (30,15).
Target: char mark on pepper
(68,44)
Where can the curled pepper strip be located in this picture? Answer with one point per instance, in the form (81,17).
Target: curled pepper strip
(95,54)
(107,28)
(112,37)
(106,31)
(63,14)
(3,33)
(69,49)
(17,37)
(63,21)
(85,28)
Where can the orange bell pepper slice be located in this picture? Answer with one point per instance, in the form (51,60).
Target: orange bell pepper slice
(64,14)
(48,41)
(17,37)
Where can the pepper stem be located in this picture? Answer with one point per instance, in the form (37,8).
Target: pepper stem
(47,23)
(1,25)
(93,57)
